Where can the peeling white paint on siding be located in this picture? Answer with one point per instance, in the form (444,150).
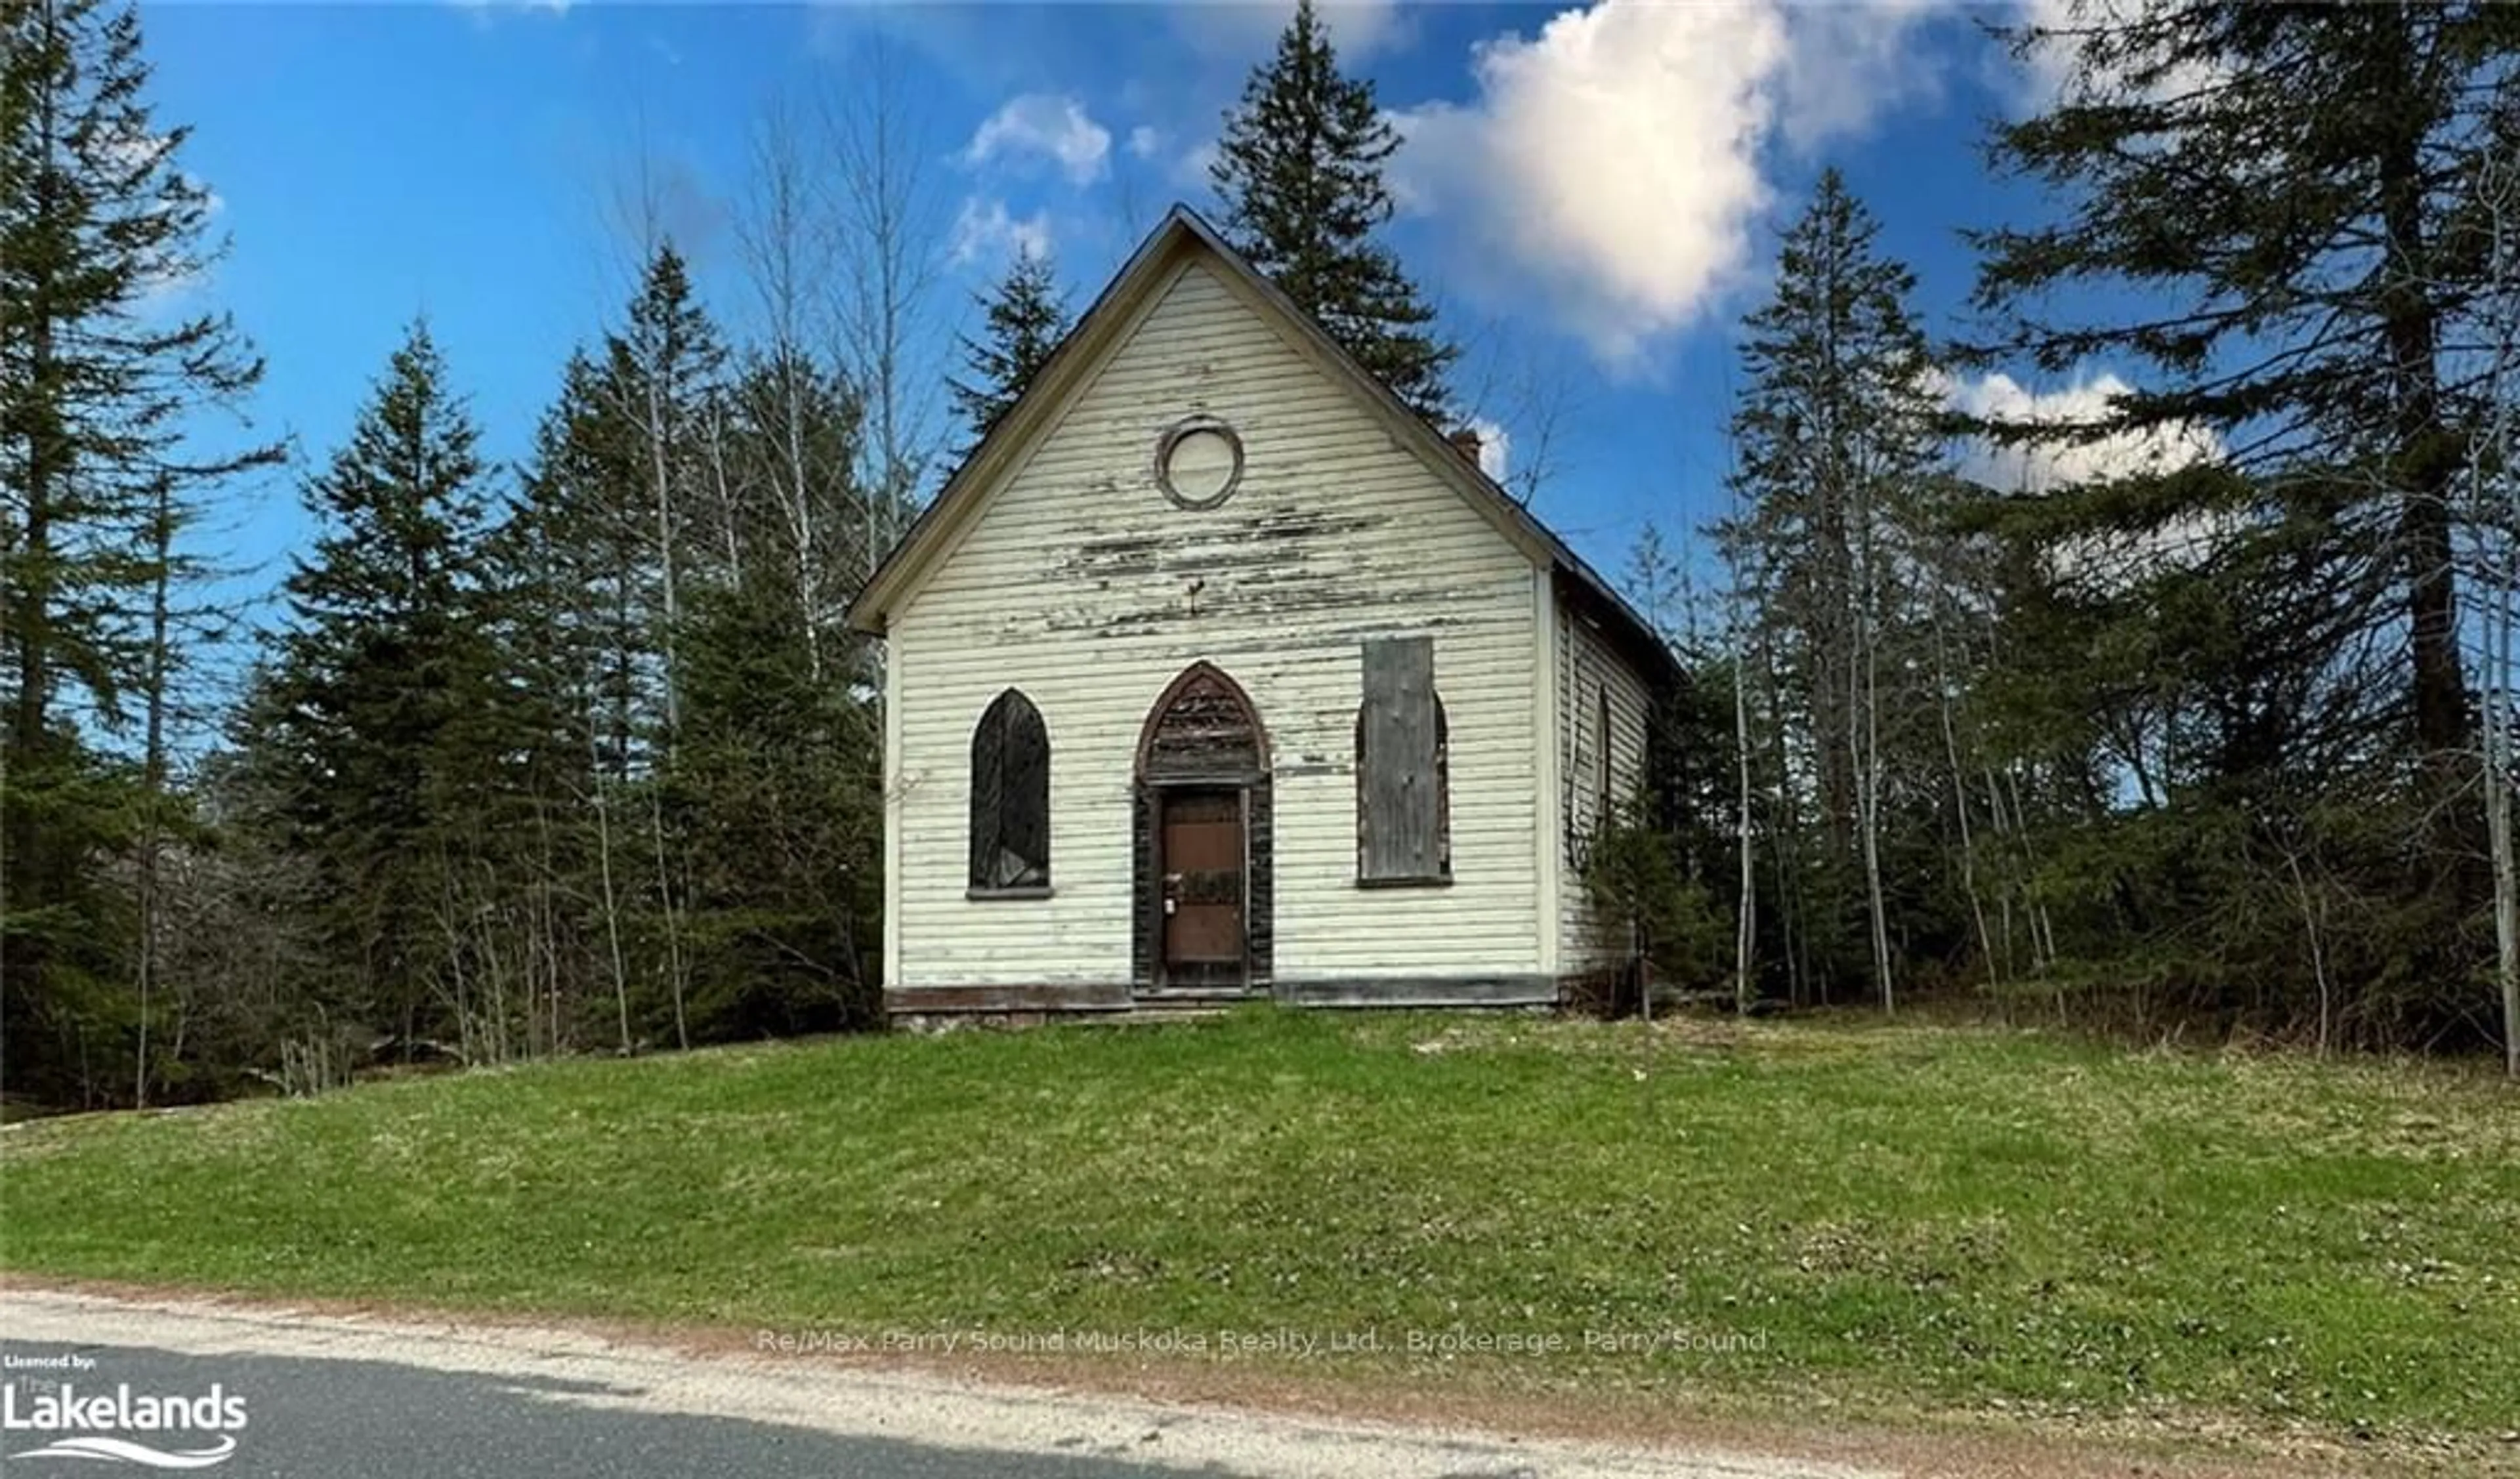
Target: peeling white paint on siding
(1588,670)
(1082,585)
(1549,852)
(892,791)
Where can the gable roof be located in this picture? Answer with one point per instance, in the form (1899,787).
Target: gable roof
(1184,234)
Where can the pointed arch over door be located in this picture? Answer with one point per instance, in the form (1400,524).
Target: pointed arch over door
(1202,728)
(1203,850)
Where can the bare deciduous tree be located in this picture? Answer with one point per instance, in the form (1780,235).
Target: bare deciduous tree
(1530,395)
(890,229)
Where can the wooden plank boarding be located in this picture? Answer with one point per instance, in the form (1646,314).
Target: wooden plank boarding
(1398,783)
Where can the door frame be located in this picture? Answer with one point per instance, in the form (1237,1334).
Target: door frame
(1244,771)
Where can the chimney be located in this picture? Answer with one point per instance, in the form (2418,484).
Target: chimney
(1466,441)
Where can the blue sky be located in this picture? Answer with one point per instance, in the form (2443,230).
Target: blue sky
(1592,193)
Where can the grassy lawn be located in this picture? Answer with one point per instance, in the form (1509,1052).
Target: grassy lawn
(1897,1219)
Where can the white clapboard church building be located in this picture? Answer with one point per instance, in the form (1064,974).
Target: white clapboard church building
(1216,672)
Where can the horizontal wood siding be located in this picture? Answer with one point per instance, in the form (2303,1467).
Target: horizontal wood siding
(1587,668)
(1082,585)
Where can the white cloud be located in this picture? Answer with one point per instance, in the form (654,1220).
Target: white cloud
(2048,67)
(1496,447)
(986,231)
(2036,469)
(167,274)
(1847,64)
(1246,31)
(1613,165)
(1145,142)
(481,9)
(2052,74)
(2111,562)
(1050,126)
(1190,171)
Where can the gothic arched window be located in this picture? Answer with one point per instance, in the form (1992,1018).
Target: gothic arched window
(1010,798)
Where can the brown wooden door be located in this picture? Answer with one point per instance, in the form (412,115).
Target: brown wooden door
(1203,888)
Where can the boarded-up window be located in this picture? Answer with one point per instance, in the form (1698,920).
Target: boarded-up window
(1010,797)
(1602,800)
(1403,765)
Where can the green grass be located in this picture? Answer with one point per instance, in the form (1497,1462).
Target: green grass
(1900,1218)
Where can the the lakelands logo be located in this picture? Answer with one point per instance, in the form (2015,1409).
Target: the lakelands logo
(157,1429)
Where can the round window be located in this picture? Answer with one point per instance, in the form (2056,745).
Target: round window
(1199,463)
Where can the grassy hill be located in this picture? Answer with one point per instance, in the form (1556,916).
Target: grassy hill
(1894,1219)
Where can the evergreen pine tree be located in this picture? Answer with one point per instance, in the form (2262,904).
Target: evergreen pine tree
(799,432)
(1835,429)
(661,375)
(724,884)
(1027,317)
(582,513)
(776,792)
(2272,215)
(383,664)
(104,370)
(571,569)
(2297,184)
(1299,170)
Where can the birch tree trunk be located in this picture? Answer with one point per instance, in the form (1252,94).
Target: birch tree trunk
(153,772)
(1866,660)
(668,575)
(789,249)
(2501,518)
(1869,778)
(1943,680)
(611,900)
(1747,917)
(675,969)
(2497,812)
(1746,926)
